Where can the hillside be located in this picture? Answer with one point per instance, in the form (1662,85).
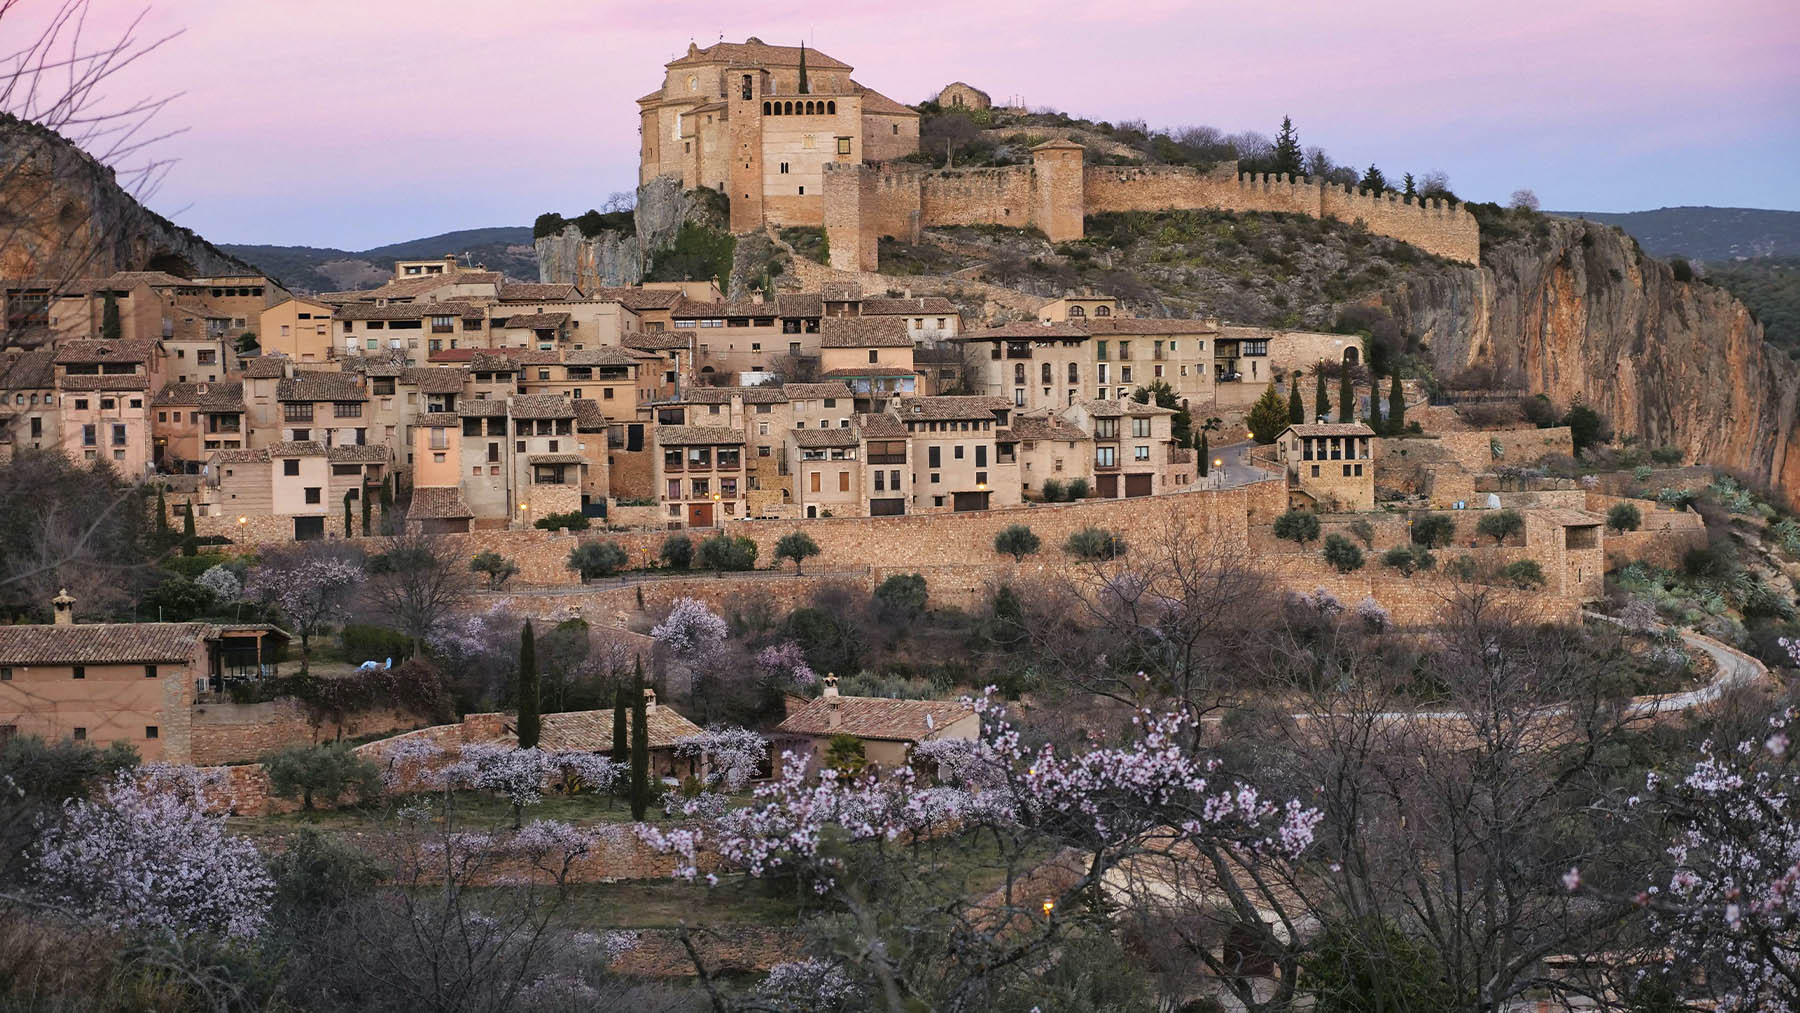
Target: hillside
(1706,233)
(1770,286)
(323,269)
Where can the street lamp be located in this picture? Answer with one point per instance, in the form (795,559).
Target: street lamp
(242,520)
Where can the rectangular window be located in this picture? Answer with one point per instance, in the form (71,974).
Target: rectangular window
(90,435)
(79,671)
(149,671)
(934,458)
(1358,471)
(1140,427)
(1104,456)
(1140,453)
(981,455)
(149,731)
(843,145)
(313,494)
(80,734)
(843,481)
(1315,471)
(5,673)
(290,467)
(347,409)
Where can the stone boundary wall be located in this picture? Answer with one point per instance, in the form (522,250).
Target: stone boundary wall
(727,949)
(1474,450)
(862,203)
(234,732)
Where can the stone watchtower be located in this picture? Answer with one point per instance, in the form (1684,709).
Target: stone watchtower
(1058,191)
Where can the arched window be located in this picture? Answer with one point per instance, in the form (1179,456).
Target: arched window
(1046,374)
(790,108)
(1103,311)
(1074,373)
(765,108)
(1018,372)
(1351,354)
(811,108)
(1076,311)
(831,108)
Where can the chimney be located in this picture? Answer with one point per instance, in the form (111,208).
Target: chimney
(833,718)
(830,684)
(64,607)
(649,699)
(756,296)
(449,263)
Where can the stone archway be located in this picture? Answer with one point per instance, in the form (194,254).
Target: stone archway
(1352,355)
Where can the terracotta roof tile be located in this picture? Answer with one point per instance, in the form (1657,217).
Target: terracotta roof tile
(814,391)
(636,299)
(818,438)
(1149,325)
(589,416)
(1331,429)
(222,397)
(117,381)
(879,104)
(407,310)
(881,427)
(875,717)
(659,341)
(863,332)
(537,321)
(1122,408)
(320,386)
(555,459)
(678,436)
(249,455)
(919,305)
(1046,427)
(364,453)
(105,351)
(265,367)
(432,503)
(28,370)
(723,395)
(1027,329)
(484,361)
(756,53)
(535,292)
(102,643)
(799,304)
(852,372)
(436,379)
(297,448)
(935,409)
(605,355)
(481,407)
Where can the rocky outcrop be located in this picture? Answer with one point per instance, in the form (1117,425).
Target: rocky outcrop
(1581,312)
(63,215)
(612,258)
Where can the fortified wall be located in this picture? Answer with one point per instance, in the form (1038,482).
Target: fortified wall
(1056,192)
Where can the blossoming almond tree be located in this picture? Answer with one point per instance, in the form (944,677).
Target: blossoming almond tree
(1103,805)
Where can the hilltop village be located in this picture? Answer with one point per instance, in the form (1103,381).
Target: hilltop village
(460,545)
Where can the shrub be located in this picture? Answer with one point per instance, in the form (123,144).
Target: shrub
(1524,574)
(1587,428)
(597,559)
(1408,559)
(844,754)
(1298,526)
(1095,544)
(1538,411)
(1433,531)
(497,568)
(1363,530)
(1053,490)
(1076,489)
(1017,541)
(364,642)
(1668,456)
(797,546)
(1462,568)
(1500,525)
(1624,517)
(329,771)
(1372,963)
(678,552)
(574,520)
(1342,554)
(900,599)
(724,552)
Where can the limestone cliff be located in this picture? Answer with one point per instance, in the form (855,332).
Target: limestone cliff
(1578,310)
(63,215)
(611,258)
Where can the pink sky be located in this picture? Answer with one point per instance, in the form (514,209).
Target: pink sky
(352,123)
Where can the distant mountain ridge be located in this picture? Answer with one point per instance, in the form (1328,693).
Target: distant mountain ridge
(308,269)
(1706,233)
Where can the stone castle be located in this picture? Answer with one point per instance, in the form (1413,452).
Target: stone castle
(792,140)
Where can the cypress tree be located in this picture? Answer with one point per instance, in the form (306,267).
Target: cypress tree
(111,329)
(348,529)
(1346,398)
(1396,407)
(190,545)
(367,507)
(162,515)
(1321,400)
(804,90)
(621,724)
(1205,455)
(640,745)
(530,725)
(1296,407)
(1288,157)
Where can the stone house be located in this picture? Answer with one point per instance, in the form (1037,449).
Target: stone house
(105,386)
(958,95)
(828,471)
(1330,466)
(872,355)
(700,474)
(192,420)
(29,415)
(963,455)
(325,406)
(298,328)
(1134,452)
(888,729)
(1051,448)
(122,682)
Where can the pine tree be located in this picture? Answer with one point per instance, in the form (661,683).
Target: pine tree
(640,745)
(1373,180)
(1268,417)
(621,744)
(1288,157)
(111,328)
(190,544)
(1296,407)
(530,725)
(1411,191)
(1346,398)
(804,90)
(1396,407)
(1321,400)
